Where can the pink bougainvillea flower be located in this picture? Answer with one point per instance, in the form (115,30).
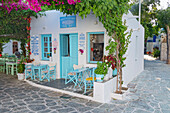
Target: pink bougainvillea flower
(81,51)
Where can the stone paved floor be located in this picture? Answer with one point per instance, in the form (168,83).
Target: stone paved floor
(149,92)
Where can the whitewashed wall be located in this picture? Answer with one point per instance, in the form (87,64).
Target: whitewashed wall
(9,49)
(50,24)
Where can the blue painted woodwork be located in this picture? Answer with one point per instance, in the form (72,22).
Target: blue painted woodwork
(67,61)
(89,49)
(154,38)
(68,21)
(46,44)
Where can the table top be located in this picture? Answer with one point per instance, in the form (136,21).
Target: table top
(11,63)
(81,70)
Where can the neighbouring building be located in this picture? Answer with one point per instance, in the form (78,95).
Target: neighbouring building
(10,47)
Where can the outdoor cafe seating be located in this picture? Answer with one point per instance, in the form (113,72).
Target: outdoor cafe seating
(82,77)
(40,71)
(8,63)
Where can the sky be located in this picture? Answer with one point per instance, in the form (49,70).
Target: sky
(164,4)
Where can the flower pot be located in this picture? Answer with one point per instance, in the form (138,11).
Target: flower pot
(114,72)
(21,76)
(99,77)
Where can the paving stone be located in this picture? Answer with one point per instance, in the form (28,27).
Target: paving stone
(3,110)
(93,104)
(140,111)
(75,105)
(84,109)
(56,107)
(65,110)
(51,104)
(37,107)
(98,110)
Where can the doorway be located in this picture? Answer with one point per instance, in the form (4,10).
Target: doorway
(15,47)
(68,52)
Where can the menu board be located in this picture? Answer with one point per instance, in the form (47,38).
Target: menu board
(35,45)
(67,22)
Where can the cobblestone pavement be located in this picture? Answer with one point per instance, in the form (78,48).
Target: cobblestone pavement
(149,92)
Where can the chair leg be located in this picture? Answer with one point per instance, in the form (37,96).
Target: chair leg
(85,87)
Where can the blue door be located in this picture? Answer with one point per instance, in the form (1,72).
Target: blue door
(68,53)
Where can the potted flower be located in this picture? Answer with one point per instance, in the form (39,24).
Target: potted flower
(101,71)
(111,63)
(21,68)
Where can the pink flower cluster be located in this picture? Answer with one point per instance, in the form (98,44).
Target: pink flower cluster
(34,5)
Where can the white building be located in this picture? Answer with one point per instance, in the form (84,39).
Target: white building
(61,37)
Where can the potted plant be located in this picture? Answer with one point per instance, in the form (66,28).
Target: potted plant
(101,71)
(21,68)
(111,63)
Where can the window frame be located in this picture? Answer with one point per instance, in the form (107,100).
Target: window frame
(88,34)
(42,46)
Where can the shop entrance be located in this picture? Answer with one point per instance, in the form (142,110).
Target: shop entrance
(68,52)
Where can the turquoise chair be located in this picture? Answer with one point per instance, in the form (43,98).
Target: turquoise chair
(70,77)
(89,82)
(14,69)
(48,72)
(29,71)
(2,65)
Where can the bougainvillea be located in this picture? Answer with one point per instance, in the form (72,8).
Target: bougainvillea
(34,5)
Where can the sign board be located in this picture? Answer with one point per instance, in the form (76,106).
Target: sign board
(35,45)
(82,41)
(67,22)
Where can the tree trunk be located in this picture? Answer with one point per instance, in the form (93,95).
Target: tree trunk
(168,44)
(117,66)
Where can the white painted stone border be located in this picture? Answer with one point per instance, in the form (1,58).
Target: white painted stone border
(61,91)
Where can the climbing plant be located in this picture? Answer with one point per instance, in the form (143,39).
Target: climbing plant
(109,13)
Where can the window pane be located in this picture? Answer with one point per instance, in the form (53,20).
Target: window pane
(50,44)
(45,49)
(50,54)
(50,39)
(45,44)
(96,47)
(46,38)
(44,54)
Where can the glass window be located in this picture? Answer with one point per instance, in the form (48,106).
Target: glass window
(96,47)
(46,47)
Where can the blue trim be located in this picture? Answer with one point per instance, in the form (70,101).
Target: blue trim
(42,46)
(93,62)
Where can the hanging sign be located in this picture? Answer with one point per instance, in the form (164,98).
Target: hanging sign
(67,22)
(35,45)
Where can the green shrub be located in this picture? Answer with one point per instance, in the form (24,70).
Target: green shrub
(156,53)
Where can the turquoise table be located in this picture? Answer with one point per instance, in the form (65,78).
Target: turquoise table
(38,68)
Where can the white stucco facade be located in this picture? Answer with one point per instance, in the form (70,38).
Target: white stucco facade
(50,24)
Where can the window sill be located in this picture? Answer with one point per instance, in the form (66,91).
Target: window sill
(45,59)
(94,62)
